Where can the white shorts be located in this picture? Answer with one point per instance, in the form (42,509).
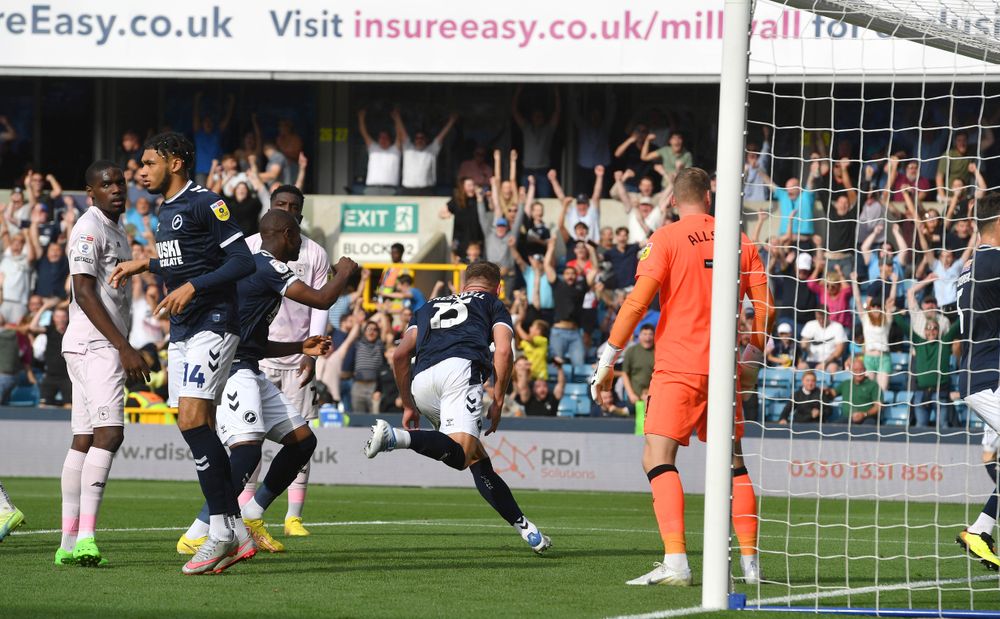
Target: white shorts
(991,440)
(253,409)
(199,366)
(98,388)
(303,399)
(986,404)
(444,396)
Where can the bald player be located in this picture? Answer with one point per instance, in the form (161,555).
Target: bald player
(293,374)
(253,408)
(677,264)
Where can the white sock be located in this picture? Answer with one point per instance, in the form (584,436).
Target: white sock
(252,510)
(5,504)
(525,527)
(402,438)
(677,562)
(748,561)
(197,529)
(239,528)
(93,479)
(983,524)
(70,484)
(218,528)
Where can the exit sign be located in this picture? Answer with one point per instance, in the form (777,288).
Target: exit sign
(392,218)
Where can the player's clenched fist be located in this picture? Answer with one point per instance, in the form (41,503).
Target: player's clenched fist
(316,345)
(346,266)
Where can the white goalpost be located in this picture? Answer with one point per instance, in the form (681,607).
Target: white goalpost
(862,109)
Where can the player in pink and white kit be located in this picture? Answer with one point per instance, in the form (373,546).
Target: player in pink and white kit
(295,322)
(99,359)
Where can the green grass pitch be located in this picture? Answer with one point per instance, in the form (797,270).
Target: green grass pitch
(416,552)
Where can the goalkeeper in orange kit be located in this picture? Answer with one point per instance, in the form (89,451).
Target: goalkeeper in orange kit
(677,264)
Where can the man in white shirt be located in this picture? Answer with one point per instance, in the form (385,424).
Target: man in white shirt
(420,157)
(823,342)
(384,159)
(15,275)
(98,358)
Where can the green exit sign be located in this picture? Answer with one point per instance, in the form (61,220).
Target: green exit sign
(393,218)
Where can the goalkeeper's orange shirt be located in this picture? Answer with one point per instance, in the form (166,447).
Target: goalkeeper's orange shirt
(679,257)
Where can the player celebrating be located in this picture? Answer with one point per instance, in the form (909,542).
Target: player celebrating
(294,374)
(451,338)
(202,255)
(677,264)
(10,516)
(99,359)
(253,407)
(979,319)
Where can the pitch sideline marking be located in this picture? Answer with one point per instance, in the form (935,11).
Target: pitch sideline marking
(800,597)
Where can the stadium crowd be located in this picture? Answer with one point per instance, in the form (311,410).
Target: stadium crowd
(863,247)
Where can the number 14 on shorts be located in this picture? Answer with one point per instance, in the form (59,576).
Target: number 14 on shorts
(195,376)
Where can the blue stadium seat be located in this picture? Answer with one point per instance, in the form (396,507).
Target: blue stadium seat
(24,395)
(896,415)
(777,377)
(583,407)
(904,397)
(823,378)
(567,407)
(840,377)
(553,371)
(975,423)
(900,361)
(899,380)
(888,396)
(582,373)
(577,390)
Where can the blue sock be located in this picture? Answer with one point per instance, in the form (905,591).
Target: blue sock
(438,446)
(242,462)
(283,470)
(991,470)
(214,473)
(495,490)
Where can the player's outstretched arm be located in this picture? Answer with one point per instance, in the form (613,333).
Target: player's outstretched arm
(401,371)
(314,346)
(503,365)
(127,269)
(324,297)
(86,295)
(631,312)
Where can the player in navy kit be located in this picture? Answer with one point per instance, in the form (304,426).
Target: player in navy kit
(979,319)
(253,407)
(201,255)
(451,338)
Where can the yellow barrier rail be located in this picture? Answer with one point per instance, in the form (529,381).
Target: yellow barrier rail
(160,415)
(369,305)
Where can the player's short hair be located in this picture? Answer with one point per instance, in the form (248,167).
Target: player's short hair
(621,229)
(405,279)
(988,210)
(397,247)
(276,221)
(292,189)
(94,170)
(809,373)
(172,144)
(487,271)
(646,326)
(691,185)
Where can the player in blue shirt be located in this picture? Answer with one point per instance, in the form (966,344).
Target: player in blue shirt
(979,319)
(253,407)
(451,338)
(201,255)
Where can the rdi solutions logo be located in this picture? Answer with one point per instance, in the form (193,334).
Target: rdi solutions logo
(545,462)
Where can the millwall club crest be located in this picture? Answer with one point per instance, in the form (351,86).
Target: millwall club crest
(220,210)
(645,251)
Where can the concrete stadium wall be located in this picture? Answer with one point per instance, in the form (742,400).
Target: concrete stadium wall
(581,461)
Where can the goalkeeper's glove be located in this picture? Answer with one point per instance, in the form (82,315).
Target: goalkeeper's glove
(751,361)
(601,380)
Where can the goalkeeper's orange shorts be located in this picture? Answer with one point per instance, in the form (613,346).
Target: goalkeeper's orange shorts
(677,407)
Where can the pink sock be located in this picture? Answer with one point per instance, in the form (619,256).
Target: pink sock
(297,493)
(72,468)
(92,482)
(250,487)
